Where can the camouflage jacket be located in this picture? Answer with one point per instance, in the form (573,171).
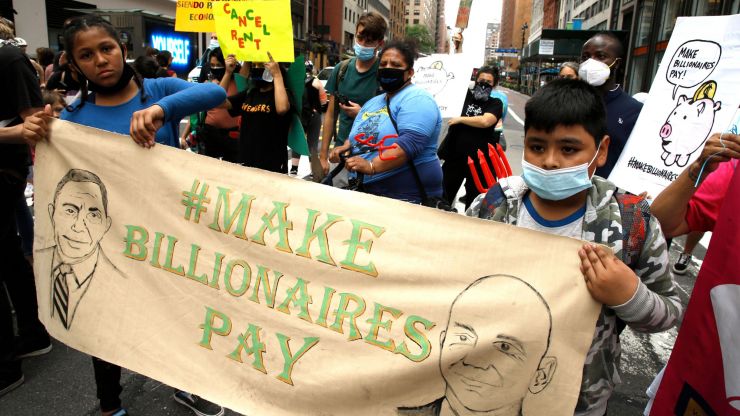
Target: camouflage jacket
(654,307)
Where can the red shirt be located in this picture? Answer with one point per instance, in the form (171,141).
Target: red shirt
(704,206)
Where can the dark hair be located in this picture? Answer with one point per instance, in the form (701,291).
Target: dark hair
(163,58)
(488,70)
(45,56)
(619,51)
(7,29)
(146,67)
(405,47)
(149,51)
(219,54)
(82,23)
(81,175)
(567,102)
(374,26)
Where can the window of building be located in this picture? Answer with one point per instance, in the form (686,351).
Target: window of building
(645,21)
(668,22)
(416,21)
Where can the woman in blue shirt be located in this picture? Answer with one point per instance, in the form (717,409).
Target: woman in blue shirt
(114,98)
(380,151)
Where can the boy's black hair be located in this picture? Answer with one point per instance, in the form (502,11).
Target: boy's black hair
(567,102)
(406,47)
(488,70)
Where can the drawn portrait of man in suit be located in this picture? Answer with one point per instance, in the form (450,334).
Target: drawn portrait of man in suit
(80,220)
(494,350)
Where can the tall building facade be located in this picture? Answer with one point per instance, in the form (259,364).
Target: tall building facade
(492,41)
(397,23)
(442,37)
(594,14)
(514,14)
(422,12)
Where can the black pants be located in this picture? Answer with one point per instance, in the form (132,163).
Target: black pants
(218,143)
(17,276)
(455,169)
(108,384)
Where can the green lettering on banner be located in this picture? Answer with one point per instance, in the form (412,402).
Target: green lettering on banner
(209,329)
(240,214)
(154,262)
(377,322)
(302,300)
(193,265)
(319,233)
(282,227)
(216,270)
(355,243)
(138,242)
(325,305)
(268,290)
(246,277)
(257,348)
(289,359)
(417,338)
(171,242)
(342,314)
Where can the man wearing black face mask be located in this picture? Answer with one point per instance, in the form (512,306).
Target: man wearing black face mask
(602,57)
(472,131)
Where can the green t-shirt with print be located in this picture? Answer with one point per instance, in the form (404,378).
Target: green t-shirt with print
(358,87)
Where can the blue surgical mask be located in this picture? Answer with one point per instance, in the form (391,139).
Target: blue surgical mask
(557,184)
(364,53)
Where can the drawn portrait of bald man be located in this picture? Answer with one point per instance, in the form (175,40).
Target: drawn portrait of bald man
(79,218)
(493,351)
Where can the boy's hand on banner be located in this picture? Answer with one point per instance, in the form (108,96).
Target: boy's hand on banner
(144,125)
(608,279)
(273,67)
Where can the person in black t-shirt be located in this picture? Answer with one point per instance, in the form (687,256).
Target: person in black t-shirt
(265,120)
(473,130)
(21,100)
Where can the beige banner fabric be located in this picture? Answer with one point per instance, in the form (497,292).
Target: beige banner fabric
(277,296)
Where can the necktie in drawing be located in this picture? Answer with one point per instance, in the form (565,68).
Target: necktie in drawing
(61,292)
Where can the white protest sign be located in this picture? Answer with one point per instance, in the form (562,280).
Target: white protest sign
(693,95)
(447,78)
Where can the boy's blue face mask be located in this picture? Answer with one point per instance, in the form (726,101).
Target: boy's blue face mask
(364,53)
(557,184)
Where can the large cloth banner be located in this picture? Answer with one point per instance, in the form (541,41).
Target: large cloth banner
(276,296)
(703,374)
(694,94)
(250,29)
(194,16)
(447,78)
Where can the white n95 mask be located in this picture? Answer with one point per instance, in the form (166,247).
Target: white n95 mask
(594,72)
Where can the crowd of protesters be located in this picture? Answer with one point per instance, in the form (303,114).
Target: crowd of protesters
(379,135)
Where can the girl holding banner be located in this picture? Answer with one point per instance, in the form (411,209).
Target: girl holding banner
(114,98)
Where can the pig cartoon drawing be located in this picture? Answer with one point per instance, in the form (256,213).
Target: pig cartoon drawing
(688,125)
(433,78)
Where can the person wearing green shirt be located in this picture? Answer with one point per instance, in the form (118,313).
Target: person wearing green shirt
(352,83)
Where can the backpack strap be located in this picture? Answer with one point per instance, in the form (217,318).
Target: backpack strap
(342,71)
(635,213)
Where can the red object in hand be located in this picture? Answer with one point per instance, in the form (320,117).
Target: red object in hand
(490,180)
(502,153)
(474,173)
(498,167)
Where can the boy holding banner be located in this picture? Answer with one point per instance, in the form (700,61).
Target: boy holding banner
(559,194)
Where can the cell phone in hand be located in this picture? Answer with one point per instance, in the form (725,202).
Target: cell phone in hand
(342,99)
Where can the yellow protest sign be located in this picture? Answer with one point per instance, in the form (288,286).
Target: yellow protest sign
(251,28)
(194,16)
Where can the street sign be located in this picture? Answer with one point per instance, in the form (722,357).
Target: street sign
(547,46)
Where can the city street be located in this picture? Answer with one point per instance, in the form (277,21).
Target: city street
(61,383)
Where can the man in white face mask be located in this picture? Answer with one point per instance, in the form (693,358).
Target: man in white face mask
(602,58)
